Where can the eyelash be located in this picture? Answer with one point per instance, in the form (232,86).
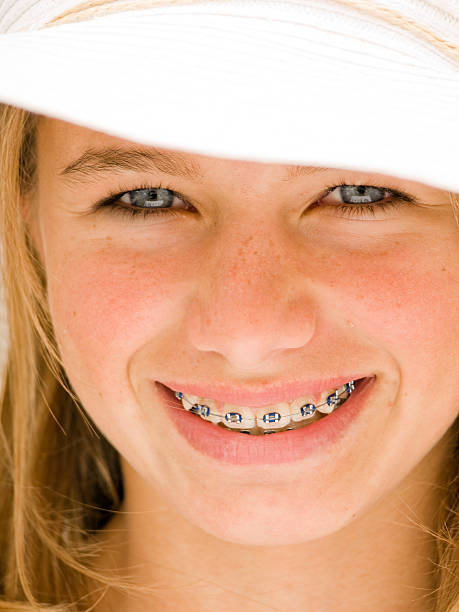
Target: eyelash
(397,199)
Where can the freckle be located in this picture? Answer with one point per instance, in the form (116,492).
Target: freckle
(94,225)
(109,237)
(443,269)
(74,313)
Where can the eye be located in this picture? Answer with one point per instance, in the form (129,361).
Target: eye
(363,200)
(144,201)
(152,198)
(358,194)
(349,201)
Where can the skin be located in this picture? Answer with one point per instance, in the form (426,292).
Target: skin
(140,300)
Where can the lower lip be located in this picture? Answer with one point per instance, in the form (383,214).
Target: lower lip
(285,447)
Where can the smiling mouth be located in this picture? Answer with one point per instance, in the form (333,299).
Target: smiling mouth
(277,418)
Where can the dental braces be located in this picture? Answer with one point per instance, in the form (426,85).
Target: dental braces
(308,410)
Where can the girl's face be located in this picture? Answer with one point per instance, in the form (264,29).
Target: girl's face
(259,278)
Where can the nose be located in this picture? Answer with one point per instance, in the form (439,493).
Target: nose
(252,300)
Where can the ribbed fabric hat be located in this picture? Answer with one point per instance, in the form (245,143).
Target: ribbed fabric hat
(364,85)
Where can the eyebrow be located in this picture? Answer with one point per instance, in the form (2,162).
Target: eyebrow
(94,162)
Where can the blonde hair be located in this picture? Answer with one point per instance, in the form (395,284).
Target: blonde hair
(50,514)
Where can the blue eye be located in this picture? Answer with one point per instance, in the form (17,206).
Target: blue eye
(149,198)
(360,194)
(353,201)
(143,201)
(364,200)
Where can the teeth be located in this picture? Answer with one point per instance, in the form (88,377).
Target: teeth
(188,401)
(328,400)
(303,409)
(267,419)
(274,417)
(238,417)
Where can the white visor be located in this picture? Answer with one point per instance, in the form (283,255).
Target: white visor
(309,82)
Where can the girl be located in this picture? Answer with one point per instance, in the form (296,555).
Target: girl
(230,381)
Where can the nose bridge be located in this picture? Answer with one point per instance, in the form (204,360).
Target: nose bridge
(249,301)
(245,267)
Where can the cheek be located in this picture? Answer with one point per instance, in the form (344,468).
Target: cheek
(106,306)
(406,299)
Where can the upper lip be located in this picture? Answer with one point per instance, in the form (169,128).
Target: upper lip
(264,395)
